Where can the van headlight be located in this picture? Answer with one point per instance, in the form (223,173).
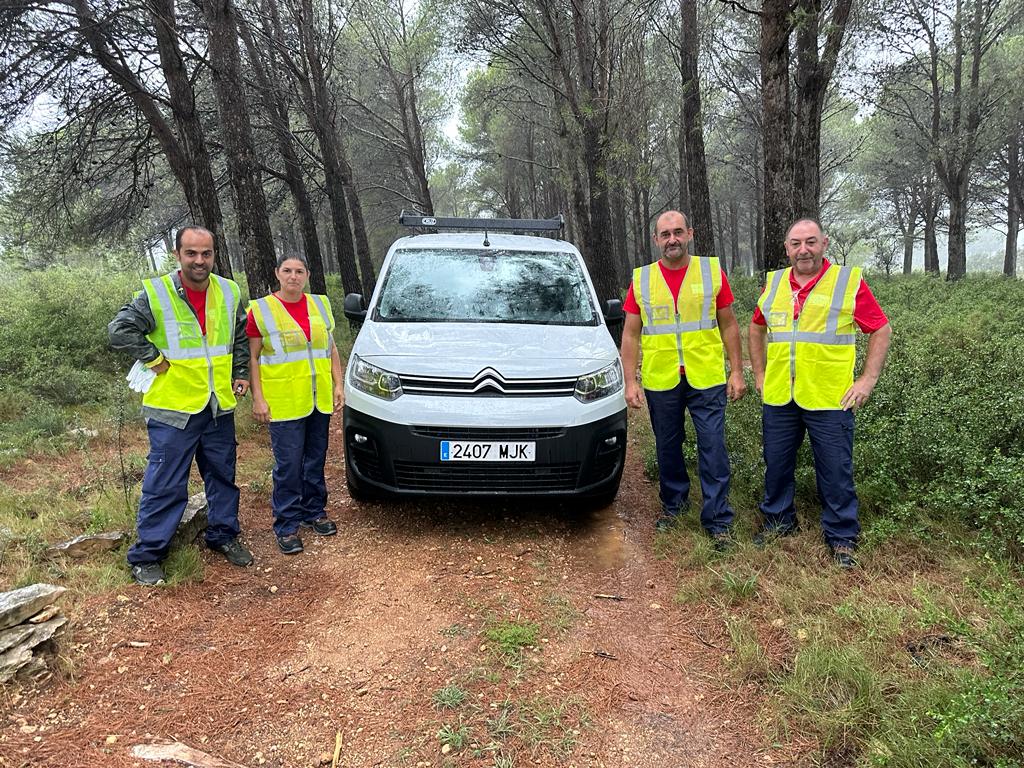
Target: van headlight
(600,384)
(375,381)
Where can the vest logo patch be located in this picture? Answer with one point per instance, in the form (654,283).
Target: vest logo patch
(293,338)
(189,331)
(818,300)
(777,319)
(661,313)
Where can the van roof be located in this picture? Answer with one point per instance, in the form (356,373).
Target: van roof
(476,239)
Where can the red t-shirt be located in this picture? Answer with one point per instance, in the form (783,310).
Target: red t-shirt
(867,313)
(198,301)
(299,310)
(674,279)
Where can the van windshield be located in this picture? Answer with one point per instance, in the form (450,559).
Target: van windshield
(485,286)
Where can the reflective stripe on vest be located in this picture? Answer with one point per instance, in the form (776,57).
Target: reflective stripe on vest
(810,361)
(200,363)
(295,373)
(683,332)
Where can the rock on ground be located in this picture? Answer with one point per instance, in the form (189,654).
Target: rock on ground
(20,604)
(89,544)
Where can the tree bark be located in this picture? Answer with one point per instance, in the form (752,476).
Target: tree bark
(693,126)
(776,139)
(813,75)
(251,217)
(1012,210)
(278,116)
(734,236)
(202,195)
(316,102)
(684,182)
(956,266)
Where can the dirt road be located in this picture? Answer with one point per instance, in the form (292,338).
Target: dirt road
(430,634)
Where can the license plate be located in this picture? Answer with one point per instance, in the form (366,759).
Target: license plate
(466,450)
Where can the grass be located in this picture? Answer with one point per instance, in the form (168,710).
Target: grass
(508,638)
(913,660)
(449,697)
(454,735)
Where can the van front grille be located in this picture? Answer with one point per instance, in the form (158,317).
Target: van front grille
(489,433)
(488,383)
(453,478)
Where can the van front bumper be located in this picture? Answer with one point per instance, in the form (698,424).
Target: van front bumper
(385,458)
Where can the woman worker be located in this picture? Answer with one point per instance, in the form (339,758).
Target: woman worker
(296,381)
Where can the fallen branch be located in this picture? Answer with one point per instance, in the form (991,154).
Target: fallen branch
(604,655)
(610,597)
(708,643)
(337,750)
(177,752)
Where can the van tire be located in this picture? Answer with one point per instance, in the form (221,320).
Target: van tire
(356,491)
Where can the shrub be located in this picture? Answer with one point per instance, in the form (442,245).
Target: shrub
(53,344)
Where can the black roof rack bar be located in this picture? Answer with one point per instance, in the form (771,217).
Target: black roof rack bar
(413,219)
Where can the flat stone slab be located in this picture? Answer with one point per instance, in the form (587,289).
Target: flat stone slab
(20,604)
(193,521)
(89,544)
(19,654)
(9,638)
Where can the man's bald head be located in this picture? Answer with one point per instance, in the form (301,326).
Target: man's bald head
(672,235)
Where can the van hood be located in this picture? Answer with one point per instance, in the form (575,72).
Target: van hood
(464,349)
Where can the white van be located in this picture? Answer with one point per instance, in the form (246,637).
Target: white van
(484,367)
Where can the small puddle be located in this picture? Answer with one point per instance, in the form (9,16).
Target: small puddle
(602,539)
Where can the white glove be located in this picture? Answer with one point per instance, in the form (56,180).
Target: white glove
(140,378)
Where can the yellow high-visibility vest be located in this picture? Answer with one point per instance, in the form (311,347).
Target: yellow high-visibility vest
(680,333)
(810,361)
(295,373)
(200,364)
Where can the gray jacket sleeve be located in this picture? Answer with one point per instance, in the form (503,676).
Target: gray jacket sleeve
(240,352)
(127,331)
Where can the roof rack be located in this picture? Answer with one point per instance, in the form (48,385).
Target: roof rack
(413,219)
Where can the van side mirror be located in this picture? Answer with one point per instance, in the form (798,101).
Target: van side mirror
(613,314)
(355,310)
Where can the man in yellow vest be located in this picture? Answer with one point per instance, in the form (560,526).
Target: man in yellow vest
(188,328)
(803,352)
(679,314)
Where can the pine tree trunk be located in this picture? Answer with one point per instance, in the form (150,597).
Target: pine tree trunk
(236,132)
(776,135)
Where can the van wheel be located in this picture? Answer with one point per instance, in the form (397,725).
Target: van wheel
(356,491)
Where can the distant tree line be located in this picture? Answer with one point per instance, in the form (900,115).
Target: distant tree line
(286,125)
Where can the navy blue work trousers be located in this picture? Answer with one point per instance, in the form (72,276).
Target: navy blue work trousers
(831,434)
(707,410)
(300,452)
(211,442)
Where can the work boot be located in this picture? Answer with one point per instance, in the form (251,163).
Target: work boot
(843,557)
(235,552)
(772,533)
(321,526)
(722,542)
(148,574)
(290,544)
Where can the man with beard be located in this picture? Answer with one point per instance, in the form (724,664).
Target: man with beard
(188,328)
(679,314)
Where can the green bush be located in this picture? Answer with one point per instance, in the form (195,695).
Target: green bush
(943,434)
(53,344)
